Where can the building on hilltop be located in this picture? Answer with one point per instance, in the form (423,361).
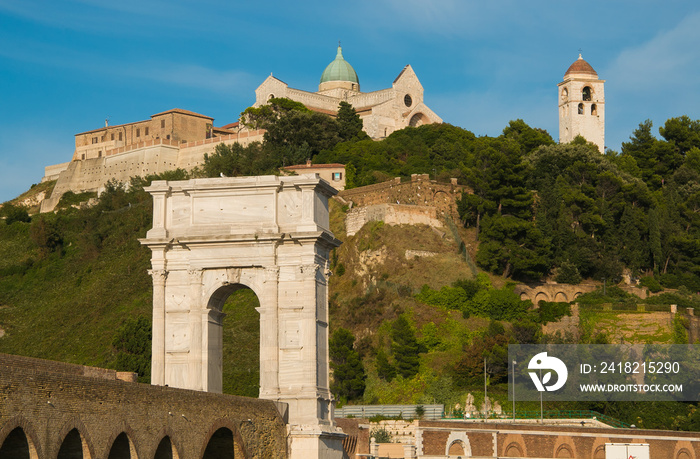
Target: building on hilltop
(582,105)
(174,139)
(179,138)
(331,173)
(382,112)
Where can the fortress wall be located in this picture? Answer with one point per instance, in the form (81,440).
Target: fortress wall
(148,160)
(47,403)
(52,172)
(141,159)
(391,214)
(420,191)
(192,153)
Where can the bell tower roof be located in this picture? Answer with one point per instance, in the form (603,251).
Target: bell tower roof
(580,68)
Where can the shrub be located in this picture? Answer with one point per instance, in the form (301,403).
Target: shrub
(132,342)
(381,435)
(651,283)
(568,273)
(14,213)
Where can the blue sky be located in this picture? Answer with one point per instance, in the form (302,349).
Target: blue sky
(66,65)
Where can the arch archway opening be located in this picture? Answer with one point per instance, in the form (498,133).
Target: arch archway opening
(235,309)
(418,120)
(456,449)
(586,93)
(73,447)
(18,445)
(220,445)
(122,448)
(166,450)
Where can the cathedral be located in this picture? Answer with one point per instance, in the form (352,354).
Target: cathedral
(382,112)
(180,138)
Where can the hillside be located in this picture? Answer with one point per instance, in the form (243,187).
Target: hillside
(410,321)
(73,286)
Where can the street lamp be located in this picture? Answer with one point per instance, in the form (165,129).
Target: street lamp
(513,382)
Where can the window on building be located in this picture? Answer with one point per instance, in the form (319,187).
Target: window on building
(580,109)
(145,131)
(120,136)
(594,109)
(138,132)
(407,100)
(82,156)
(112,136)
(162,124)
(586,93)
(102,139)
(337,176)
(94,140)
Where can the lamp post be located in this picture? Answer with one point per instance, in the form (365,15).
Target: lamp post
(541,410)
(486,399)
(513,382)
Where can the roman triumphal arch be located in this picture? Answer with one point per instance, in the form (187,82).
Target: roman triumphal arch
(271,234)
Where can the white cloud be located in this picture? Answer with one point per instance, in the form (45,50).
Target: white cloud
(670,58)
(185,75)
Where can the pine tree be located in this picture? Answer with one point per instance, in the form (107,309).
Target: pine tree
(348,371)
(405,348)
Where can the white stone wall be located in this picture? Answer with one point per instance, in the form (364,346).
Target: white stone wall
(211,237)
(588,125)
(52,172)
(391,214)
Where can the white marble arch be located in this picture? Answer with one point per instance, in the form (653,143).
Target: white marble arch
(270,234)
(458,437)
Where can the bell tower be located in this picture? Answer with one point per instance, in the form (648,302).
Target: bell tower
(582,105)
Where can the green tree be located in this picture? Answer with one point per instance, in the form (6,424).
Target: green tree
(405,348)
(385,370)
(348,372)
(14,213)
(45,232)
(528,138)
(132,343)
(349,123)
(266,115)
(513,247)
(683,134)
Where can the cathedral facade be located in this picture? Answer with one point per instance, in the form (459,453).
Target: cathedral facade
(382,112)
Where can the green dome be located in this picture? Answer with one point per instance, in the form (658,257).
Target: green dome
(339,70)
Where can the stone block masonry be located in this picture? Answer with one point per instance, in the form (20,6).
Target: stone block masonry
(418,201)
(49,402)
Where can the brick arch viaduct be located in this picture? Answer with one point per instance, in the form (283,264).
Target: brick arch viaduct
(553,292)
(50,410)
